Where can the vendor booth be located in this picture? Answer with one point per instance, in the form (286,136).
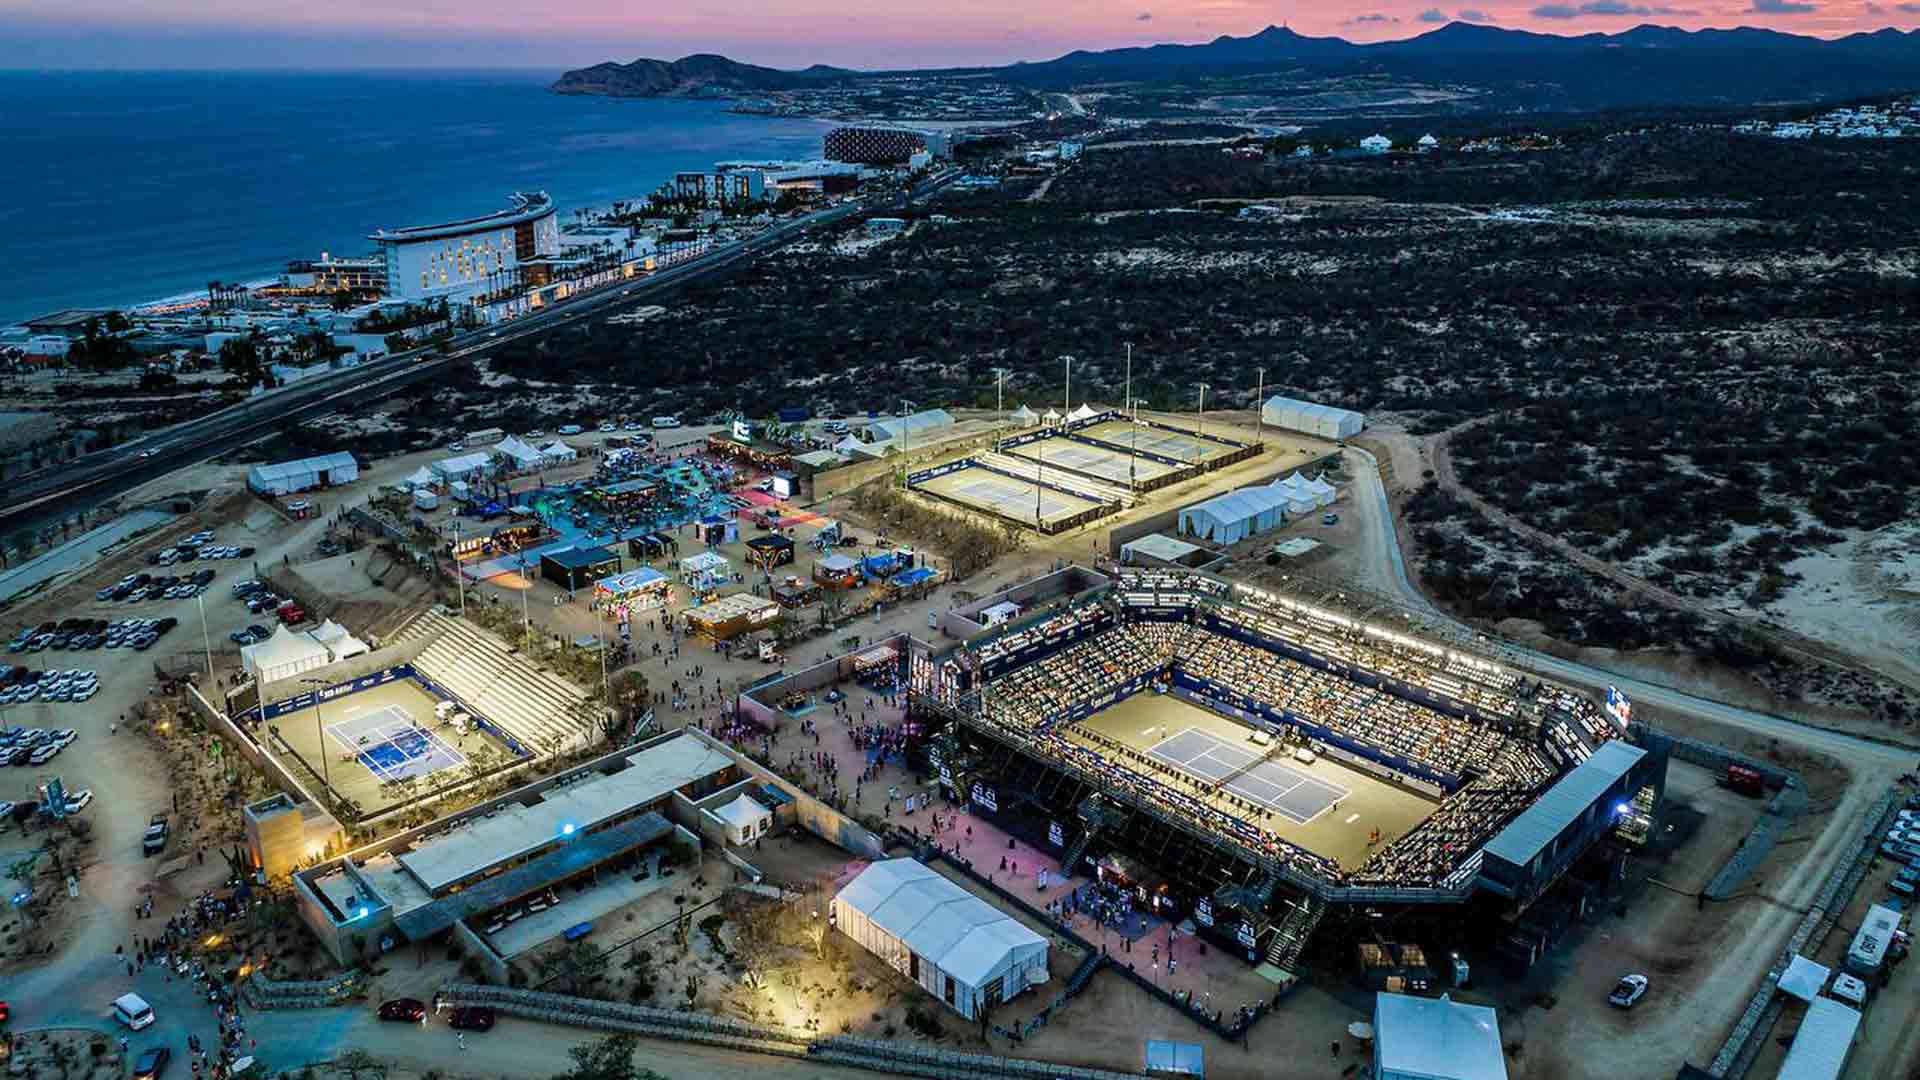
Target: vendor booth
(623,496)
(837,572)
(705,571)
(1003,612)
(730,616)
(919,581)
(652,546)
(785,485)
(636,590)
(716,529)
(572,568)
(795,592)
(878,668)
(768,552)
(510,537)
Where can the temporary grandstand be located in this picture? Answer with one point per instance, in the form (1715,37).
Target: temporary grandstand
(1276,762)
(541,712)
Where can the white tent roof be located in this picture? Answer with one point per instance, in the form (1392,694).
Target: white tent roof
(963,935)
(705,560)
(513,447)
(927,420)
(283,654)
(1025,415)
(420,477)
(1439,1038)
(338,639)
(465,463)
(1319,486)
(743,813)
(1051,417)
(558,451)
(1082,413)
(848,446)
(1803,978)
(296,470)
(1240,505)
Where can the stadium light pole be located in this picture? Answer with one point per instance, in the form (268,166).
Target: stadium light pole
(1039,477)
(459,579)
(1068,407)
(1259,391)
(1133,429)
(1201,430)
(205,641)
(326,771)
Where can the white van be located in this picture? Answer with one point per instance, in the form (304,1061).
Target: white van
(133,1011)
(666,421)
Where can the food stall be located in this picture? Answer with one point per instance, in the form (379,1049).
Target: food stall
(644,589)
(729,616)
(767,552)
(837,572)
(794,591)
(717,529)
(652,546)
(511,537)
(705,572)
(878,668)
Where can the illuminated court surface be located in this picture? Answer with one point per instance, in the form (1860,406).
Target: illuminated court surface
(1092,461)
(1006,496)
(1338,829)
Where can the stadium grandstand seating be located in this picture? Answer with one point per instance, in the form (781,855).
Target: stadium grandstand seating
(541,711)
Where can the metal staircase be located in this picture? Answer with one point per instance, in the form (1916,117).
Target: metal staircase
(1290,939)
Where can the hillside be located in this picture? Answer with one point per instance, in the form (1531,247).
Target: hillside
(700,75)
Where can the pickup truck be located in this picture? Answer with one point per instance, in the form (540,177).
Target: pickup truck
(156,839)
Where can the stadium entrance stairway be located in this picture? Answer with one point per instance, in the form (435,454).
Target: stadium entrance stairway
(543,712)
(1290,940)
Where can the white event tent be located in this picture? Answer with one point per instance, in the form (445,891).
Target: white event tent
(283,656)
(959,948)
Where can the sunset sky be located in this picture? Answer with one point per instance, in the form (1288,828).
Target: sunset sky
(787,33)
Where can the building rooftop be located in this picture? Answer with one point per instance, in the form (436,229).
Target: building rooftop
(1441,1039)
(515,830)
(565,861)
(525,206)
(1563,803)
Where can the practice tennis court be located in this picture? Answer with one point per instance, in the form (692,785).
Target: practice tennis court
(1093,461)
(1171,444)
(1260,780)
(392,747)
(1006,496)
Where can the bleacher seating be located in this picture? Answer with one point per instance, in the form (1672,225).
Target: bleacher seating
(542,712)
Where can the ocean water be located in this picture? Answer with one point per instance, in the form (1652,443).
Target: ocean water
(120,188)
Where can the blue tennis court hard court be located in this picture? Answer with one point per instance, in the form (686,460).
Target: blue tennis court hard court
(1287,791)
(392,746)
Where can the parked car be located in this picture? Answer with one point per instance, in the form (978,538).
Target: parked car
(151,1063)
(472,1018)
(1628,992)
(405,1009)
(666,421)
(79,800)
(155,840)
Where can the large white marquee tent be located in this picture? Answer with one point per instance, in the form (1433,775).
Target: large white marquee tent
(1324,421)
(1231,518)
(283,656)
(958,947)
(306,474)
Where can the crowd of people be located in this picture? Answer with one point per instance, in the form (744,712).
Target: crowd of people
(1506,773)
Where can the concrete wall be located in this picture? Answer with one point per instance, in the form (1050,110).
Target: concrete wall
(1066,582)
(493,966)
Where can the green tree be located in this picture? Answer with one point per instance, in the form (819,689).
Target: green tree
(609,1059)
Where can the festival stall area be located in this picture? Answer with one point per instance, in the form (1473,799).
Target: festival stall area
(645,589)
(705,572)
(730,616)
(768,552)
(837,572)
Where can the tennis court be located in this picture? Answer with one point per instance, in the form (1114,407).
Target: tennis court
(1007,497)
(385,739)
(1259,778)
(1101,464)
(1171,444)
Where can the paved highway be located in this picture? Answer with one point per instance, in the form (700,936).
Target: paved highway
(92,479)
